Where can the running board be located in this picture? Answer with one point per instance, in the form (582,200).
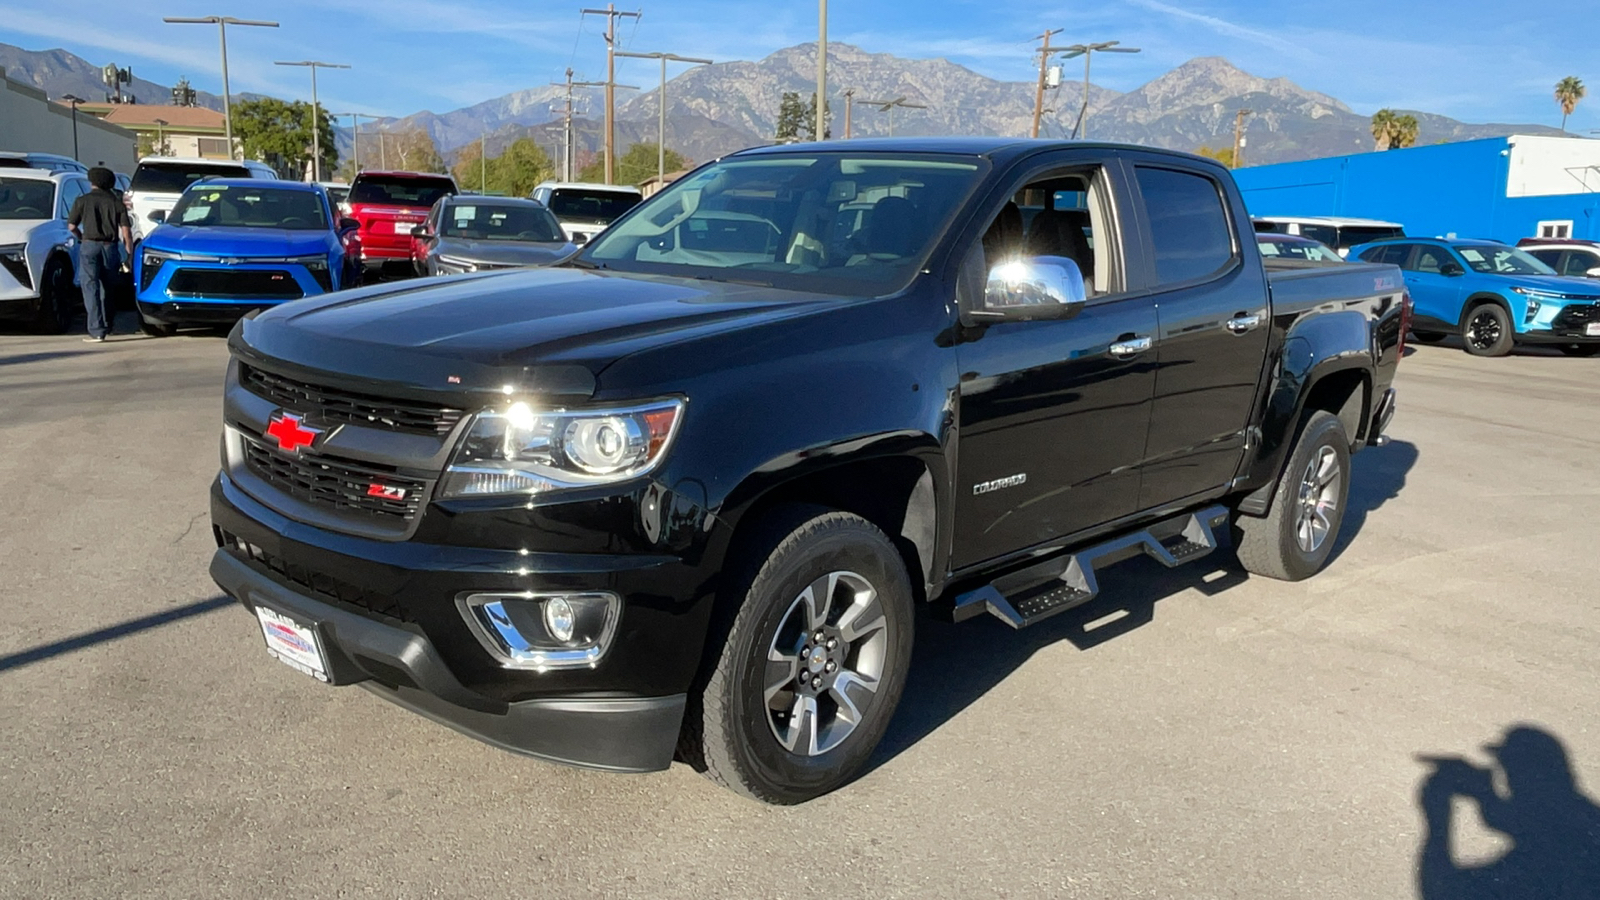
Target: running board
(1030,595)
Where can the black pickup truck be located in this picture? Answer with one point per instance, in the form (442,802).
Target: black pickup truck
(682,495)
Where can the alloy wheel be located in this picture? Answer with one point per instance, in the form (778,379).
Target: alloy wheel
(1484,330)
(1318,499)
(825,664)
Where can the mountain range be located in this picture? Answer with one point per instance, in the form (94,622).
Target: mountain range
(713,110)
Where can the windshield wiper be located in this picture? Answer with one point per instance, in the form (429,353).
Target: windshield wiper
(584,263)
(724,280)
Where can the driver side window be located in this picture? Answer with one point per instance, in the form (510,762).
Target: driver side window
(1062,214)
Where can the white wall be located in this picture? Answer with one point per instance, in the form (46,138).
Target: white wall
(30,123)
(1547,166)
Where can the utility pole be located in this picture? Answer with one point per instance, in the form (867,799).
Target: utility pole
(316,112)
(821,133)
(222,23)
(1044,63)
(1087,51)
(849,101)
(661,101)
(1238,134)
(483,165)
(611,14)
(568,173)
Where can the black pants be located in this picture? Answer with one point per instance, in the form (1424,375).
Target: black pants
(97,266)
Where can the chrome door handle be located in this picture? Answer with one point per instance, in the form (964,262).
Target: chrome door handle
(1243,324)
(1130,347)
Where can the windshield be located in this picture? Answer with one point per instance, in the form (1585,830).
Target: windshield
(236,206)
(1301,251)
(591,205)
(1503,261)
(399,190)
(174,178)
(832,222)
(500,222)
(27,198)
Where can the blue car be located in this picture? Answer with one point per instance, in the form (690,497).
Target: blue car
(1494,296)
(232,245)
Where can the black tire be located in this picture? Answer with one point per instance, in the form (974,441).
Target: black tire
(1273,546)
(1582,350)
(733,726)
(1487,331)
(58,298)
(1428,337)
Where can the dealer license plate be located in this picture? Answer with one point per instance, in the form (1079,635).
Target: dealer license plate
(1592,329)
(293,643)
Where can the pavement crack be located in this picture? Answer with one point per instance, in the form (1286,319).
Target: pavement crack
(186,531)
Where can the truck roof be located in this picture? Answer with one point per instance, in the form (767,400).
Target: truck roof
(989,147)
(587,186)
(1338,221)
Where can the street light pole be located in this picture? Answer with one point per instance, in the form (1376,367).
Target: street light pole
(888,107)
(355,139)
(161,138)
(316,111)
(661,99)
(849,101)
(1087,51)
(74,100)
(822,71)
(222,23)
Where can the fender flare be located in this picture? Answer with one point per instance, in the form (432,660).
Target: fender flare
(1480,298)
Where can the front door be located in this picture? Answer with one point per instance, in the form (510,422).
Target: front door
(1436,293)
(1053,414)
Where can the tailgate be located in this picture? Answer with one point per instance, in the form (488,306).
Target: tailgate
(381,220)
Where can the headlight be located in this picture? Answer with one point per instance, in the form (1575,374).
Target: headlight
(12,252)
(523,450)
(455,264)
(1534,292)
(13,257)
(150,262)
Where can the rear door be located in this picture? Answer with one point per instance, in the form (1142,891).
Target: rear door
(1053,414)
(1211,301)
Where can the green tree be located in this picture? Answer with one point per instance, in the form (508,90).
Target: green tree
(791,117)
(1383,122)
(1569,91)
(413,151)
(1405,132)
(469,168)
(279,134)
(635,166)
(808,124)
(516,171)
(1222,155)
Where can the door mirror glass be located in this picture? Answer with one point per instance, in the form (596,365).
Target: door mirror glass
(1038,287)
(420,231)
(157,216)
(1451,270)
(348,224)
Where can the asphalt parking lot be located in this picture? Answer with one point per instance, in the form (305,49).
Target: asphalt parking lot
(1193,733)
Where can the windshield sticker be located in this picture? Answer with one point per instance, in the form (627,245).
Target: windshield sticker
(1471,254)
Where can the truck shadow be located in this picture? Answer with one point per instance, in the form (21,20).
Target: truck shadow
(954,665)
(1528,795)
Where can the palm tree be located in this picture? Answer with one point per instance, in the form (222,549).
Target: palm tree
(1569,91)
(1404,132)
(1383,123)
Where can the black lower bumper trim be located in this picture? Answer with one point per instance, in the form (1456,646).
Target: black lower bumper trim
(180,313)
(616,734)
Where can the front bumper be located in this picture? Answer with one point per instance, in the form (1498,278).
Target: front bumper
(624,734)
(1562,323)
(176,312)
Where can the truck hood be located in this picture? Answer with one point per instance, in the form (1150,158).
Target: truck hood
(16,231)
(550,330)
(244,242)
(505,253)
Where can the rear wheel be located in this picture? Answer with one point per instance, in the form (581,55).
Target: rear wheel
(1487,331)
(1294,541)
(813,666)
(1581,349)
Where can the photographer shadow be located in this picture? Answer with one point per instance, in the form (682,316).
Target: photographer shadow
(1552,827)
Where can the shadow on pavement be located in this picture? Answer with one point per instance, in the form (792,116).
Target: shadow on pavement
(1528,794)
(110,633)
(43,356)
(953,665)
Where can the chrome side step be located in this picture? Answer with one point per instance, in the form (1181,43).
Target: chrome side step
(1030,595)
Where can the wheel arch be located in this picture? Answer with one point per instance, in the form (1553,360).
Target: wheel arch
(1479,299)
(1340,384)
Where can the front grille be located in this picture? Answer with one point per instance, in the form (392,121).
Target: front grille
(335,406)
(312,580)
(18,267)
(323,279)
(1574,319)
(266,284)
(335,483)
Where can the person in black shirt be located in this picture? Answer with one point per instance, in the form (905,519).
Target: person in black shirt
(99,220)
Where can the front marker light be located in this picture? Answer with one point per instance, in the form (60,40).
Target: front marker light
(524,450)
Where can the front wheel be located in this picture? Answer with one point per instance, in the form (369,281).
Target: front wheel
(1487,331)
(58,298)
(814,663)
(1293,542)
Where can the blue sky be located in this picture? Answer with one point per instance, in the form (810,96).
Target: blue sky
(1472,59)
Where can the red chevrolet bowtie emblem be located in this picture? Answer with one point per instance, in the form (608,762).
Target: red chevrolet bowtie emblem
(290,432)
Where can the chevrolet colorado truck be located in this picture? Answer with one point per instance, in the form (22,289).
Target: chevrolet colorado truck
(681,496)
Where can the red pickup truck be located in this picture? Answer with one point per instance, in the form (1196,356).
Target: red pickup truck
(388,205)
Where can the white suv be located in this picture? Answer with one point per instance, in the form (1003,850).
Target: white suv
(159,181)
(38,254)
(584,210)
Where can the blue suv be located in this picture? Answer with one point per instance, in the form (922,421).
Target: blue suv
(1493,295)
(231,245)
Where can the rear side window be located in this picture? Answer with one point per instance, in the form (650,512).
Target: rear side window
(393,190)
(1188,224)
(174,178)
(1393,254)
(594,205)
(1351,235)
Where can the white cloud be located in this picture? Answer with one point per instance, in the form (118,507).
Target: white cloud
(1230,29)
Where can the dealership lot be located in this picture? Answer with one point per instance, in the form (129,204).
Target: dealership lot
(1192,733)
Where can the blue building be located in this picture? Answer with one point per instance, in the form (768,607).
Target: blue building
(1500,188)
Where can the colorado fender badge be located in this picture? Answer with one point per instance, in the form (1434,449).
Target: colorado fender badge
(989,487)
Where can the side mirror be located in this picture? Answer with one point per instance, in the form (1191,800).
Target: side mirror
(580,239)
(347,224)
(1039,287)
(157,216)
(420,231)
(1451,270)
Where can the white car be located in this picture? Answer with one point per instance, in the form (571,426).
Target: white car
(159,181)
(1337,232)
(584,210)
(1578,260)
(38,254)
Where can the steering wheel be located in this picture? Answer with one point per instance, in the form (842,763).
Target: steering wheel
(292,222)
(28,212)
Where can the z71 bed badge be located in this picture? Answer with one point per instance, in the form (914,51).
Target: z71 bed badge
(1000,483)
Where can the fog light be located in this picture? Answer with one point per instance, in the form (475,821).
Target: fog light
(543,631)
